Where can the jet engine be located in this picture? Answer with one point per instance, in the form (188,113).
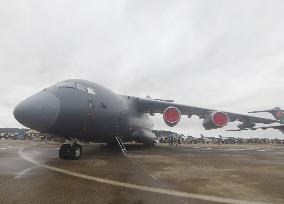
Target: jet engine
(215,120)
(246,125)
(276,112)
(171,116)
(279,115)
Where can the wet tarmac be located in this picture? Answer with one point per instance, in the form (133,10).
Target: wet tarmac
(31,172)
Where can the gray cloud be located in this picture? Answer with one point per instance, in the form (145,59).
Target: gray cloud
(218,54)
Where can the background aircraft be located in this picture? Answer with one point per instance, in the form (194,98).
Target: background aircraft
(277,113)
(278,127)
(83,110)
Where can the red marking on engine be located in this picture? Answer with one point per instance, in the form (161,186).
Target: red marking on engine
(220,119)
(172,115)
(278,114)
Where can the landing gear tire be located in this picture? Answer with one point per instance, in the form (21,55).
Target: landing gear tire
(76,151)
(69,151)
(63,151)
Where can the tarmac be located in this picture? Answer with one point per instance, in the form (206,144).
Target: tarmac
(31,172)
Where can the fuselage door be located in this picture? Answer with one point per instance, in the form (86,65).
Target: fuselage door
(92,107)
(88,99)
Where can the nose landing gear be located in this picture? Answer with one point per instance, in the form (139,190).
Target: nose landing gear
(70,151)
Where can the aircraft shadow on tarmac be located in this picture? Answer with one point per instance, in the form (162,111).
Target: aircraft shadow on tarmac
(95,150)
(105,150)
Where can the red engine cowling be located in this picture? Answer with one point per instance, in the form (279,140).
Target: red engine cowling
(279,115)
(171,116)
(216,120)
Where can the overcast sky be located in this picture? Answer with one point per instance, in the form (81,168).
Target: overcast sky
(226,55)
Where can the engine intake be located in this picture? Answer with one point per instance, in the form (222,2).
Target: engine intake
(279,115)
(171,116)
(216,120)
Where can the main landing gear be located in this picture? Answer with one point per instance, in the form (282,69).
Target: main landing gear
(70,151)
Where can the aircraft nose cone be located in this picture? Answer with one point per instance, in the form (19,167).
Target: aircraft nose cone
(38,112)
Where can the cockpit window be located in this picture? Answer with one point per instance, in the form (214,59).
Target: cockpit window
(66,84)
(76,85)
(91,91)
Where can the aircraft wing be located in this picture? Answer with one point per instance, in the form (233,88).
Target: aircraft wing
(152,106)
(277,127)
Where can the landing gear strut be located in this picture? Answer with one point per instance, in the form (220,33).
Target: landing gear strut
(70,151)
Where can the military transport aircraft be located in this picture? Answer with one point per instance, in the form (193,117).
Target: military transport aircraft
(85,111)
(277,113)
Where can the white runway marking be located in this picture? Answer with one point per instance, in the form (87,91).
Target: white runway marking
(136,186)
(3,148)
(20,174)
(263,150)
(234,149)
(208,148)
(11,147)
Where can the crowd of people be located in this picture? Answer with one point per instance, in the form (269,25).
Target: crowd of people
(173,139)
(176,140)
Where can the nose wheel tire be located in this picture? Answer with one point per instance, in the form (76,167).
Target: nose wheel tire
(62,151)
(70,151)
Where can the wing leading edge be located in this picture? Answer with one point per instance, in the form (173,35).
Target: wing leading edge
(152,106)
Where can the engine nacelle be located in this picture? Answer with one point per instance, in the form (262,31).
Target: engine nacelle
(246,125)
(171,116)
(216,120)
(279,115)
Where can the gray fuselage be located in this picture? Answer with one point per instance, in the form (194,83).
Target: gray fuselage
(86,111)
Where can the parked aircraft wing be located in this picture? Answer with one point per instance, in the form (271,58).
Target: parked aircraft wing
(148,105)
(237,130)
(277,113)
(277,127)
